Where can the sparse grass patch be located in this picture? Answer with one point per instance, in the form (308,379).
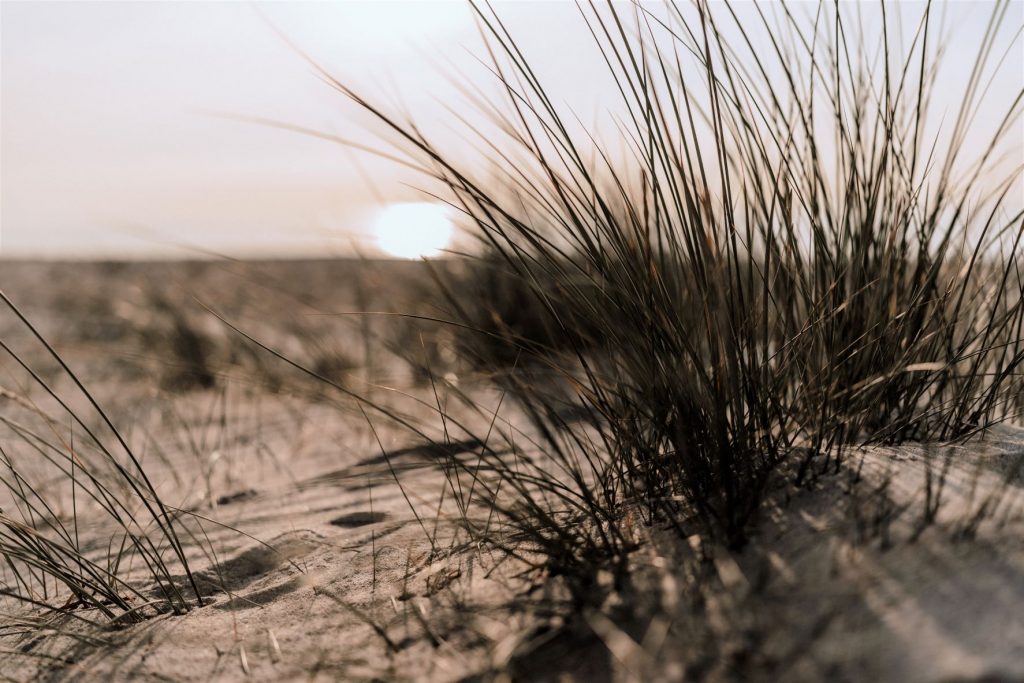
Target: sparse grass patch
(58,442)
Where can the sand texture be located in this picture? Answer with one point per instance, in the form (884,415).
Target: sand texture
(325,551)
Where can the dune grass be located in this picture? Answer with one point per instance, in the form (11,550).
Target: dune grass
(790,259)
(54,442)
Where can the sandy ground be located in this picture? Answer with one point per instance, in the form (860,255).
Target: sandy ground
(317,568)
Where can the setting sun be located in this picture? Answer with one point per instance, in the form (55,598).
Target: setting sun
(414,230)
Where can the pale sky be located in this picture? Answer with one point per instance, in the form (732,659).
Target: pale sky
(108,146)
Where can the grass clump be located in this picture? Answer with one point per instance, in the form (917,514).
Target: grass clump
(790,257)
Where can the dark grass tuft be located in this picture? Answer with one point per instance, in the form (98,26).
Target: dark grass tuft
(787,260)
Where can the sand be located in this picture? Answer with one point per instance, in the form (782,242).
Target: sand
(317,568)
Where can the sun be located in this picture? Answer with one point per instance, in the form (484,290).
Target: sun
(414,229)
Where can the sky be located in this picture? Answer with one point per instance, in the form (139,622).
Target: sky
(121,131)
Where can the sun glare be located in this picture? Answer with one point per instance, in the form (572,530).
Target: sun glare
(414,230)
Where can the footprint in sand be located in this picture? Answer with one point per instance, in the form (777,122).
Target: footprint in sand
(358,519)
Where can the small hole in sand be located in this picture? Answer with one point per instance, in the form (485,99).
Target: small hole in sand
(361,518)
